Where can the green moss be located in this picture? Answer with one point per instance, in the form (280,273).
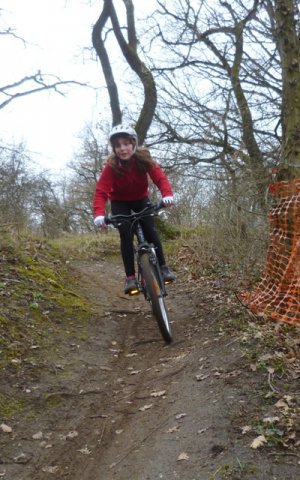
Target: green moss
(53,401)
(41,296)
(10,406)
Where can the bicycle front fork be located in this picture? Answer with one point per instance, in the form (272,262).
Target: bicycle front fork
(154,262)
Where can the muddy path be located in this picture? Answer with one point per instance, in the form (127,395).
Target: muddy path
(123,405)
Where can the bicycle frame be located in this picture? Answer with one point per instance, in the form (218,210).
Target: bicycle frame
(150,280)
(142,245)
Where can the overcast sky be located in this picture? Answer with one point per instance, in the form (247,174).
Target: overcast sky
(56,32)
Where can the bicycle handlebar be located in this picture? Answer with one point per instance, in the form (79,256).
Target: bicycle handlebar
(150,209)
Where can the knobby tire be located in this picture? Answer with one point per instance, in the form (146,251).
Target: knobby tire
(157,301)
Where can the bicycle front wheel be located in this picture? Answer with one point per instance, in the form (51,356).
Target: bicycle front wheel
(157,300)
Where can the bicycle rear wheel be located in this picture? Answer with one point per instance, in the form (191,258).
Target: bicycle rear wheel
(157,300)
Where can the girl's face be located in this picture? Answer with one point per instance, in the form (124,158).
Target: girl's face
(124,148)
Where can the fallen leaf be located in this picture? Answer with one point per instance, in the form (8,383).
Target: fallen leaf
(233,373)
(173,429)
(72,434)
(271,419)
(180,357)
(259,442)
(146,407)
(16,361)
(183,456)
(282,404)
(46,445)
(180,415)
(258,335)
(292,436)
(85,451)
(201,377)
(22,458)
(202,431)
(246,429)
(50,469)
(158,393)
(5,428)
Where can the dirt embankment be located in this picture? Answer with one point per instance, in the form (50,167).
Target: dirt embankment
(117,403)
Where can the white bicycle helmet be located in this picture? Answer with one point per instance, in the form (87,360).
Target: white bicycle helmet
(119,130)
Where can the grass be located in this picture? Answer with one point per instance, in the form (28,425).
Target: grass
(91,246)
(10,406)
(35,276)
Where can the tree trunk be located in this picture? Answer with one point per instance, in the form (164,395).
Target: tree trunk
(99,46)
(278,292)
(288,42)
(130,53)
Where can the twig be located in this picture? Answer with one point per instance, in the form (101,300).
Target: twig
(122,297)
(56,284)
(10,280)
(233,341)
(270,383)
(284,454)
(151,380)
(216,472)
(102,433)
(137,444)
(72,394)
(132,312)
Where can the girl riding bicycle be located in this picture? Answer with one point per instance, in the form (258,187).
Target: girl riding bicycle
(124,181)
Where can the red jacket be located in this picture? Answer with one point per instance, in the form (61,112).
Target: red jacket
(132,185)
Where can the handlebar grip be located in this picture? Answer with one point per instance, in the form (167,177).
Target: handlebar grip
(107,220)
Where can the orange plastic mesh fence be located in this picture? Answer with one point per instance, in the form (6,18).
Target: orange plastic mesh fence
(277,294)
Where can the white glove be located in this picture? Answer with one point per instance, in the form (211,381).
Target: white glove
(168,201)
(99,221)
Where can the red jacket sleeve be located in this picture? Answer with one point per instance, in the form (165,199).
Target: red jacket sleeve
(160,179)
(103,189)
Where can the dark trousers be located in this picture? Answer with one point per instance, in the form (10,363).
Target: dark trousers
(126,237)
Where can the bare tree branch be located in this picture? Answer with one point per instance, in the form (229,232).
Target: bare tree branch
(129,51)
(41,85)
(99,46)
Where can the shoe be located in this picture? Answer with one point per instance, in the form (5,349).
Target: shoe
(167,274)
(131,286)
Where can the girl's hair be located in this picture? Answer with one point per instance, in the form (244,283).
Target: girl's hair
(144,161)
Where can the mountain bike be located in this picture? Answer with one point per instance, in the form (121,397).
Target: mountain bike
(149,280)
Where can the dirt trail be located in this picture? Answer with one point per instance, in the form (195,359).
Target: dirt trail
(126,406)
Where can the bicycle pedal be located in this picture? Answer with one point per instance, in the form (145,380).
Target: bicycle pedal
(134,292)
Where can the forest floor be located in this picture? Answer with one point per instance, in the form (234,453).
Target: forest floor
(111,401)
